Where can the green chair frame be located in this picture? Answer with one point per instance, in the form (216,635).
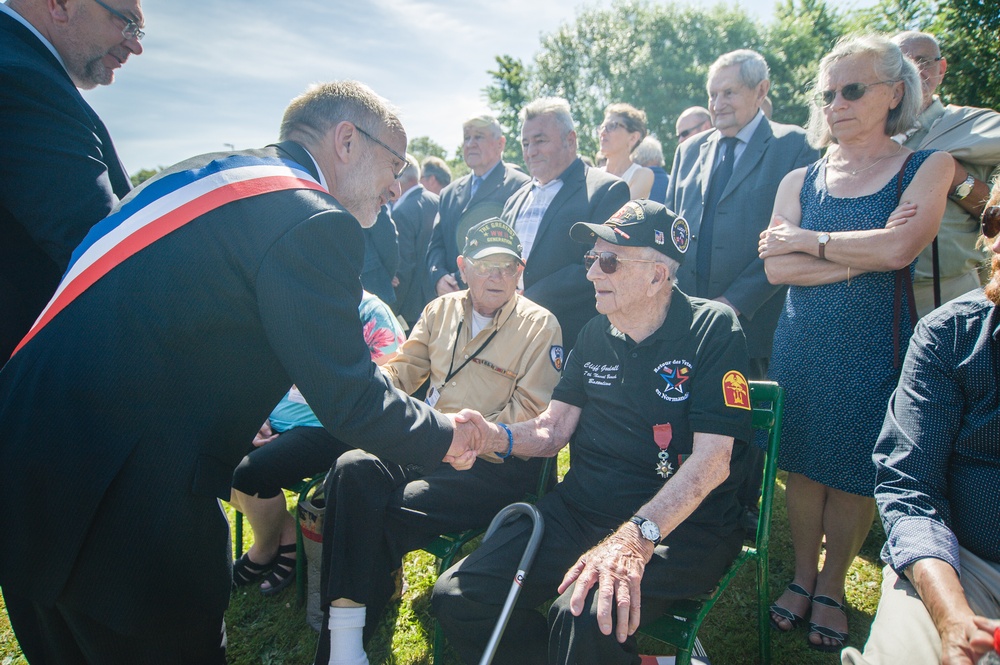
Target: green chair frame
(679,624)
(302,488)
(448,546)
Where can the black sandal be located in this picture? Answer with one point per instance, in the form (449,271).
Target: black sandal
(246,571)
(825,631)
(787,614)
(282,571)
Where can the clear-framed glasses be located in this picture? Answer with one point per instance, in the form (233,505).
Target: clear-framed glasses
(991,221)
(395,154)
(485,268)
(610,126)
(608,261)
(923,62)
(131,29)
(852,92)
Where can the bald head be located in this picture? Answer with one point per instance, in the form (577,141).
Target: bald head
(925,52)
(691,121)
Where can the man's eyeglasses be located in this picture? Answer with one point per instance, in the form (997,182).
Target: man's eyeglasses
(395,154)
(991,221)
(608,261)
(131,29)
(610,126)
(686,133)
(923,63)
(486,268)
(852,92)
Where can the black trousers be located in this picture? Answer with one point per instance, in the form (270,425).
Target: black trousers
(297,453)
(60,635)
(468,598)
(377,511)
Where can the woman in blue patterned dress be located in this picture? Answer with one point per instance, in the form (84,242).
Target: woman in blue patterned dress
(840,231)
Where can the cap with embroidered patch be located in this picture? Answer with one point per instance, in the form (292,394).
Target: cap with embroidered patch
(640,223)
(489,237)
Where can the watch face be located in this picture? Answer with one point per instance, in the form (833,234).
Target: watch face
(650,531)
(823,238)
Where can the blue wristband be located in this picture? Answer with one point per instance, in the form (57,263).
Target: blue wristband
(510,442)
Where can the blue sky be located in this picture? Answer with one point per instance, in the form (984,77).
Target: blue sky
(218,73)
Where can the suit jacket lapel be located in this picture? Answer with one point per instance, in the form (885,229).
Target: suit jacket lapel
(706,160)
(573,179)
(751,156)
(491,184)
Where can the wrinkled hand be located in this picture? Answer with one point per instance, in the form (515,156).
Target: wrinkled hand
(781,238)
(446,284)
(469,440)
(902,214)
(964,642)
(264,435)
(616,565)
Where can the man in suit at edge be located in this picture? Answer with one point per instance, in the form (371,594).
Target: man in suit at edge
(727,206)
(491,181)
(125,413)
(435,174)
(59,173)
(414,214)
(562,192)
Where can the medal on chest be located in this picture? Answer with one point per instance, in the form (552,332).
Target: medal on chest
(662,435)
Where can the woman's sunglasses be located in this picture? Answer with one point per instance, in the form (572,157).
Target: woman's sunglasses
(852,92)
(991,221)
(608,261)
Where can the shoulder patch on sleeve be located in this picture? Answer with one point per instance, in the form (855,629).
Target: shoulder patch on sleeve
(736,390)
(556,356)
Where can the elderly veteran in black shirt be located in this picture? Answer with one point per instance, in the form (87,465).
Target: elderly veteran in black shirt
(938,470)
(655,400)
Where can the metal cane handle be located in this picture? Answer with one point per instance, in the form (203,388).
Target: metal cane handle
(537,529)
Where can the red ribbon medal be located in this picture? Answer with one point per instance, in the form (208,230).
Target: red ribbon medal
(662,435)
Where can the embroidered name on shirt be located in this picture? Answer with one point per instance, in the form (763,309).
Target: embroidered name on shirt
(601,375)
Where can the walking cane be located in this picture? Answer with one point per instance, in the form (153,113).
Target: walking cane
(537,528)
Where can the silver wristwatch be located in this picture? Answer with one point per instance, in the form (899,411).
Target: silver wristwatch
(964,188)
(649,529)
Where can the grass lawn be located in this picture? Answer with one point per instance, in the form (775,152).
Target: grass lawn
(272,631)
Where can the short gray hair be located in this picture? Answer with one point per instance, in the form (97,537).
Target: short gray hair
(322,106)
(411,172)
(649,152)
(753,66)
(890,65)
(485,121)
(556,106)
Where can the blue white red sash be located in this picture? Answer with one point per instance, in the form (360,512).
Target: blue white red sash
(164,206)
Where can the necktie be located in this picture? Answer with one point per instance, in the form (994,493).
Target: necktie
(727,155)
(476,181)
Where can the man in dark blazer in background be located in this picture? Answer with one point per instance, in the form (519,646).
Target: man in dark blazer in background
(122,418)
(469,200)
(59,173)
(723,183)
(562,192)
(414,213)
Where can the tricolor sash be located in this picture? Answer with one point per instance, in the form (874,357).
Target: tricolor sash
(164,206)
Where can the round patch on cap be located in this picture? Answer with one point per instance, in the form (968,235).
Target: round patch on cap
(680,234)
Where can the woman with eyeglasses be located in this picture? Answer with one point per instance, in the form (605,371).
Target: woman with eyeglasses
(624,127)
(844,236)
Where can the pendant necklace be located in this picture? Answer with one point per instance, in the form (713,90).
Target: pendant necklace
(857,171)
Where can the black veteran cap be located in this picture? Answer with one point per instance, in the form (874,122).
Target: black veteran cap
(640,223)
(489,237)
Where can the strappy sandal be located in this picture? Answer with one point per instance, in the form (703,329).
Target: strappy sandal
(787,614)
(826,631)
(282,571)
(246,571)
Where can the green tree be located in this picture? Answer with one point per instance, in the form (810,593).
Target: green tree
(507,95)
(802,33)
(969,31)
(423,146)
(143,175)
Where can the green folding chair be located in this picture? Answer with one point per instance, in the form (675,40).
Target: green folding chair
(679,624)
(303,488)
